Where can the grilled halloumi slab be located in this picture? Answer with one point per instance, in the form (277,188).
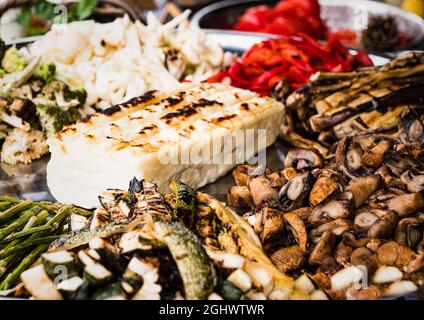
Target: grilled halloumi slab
(158,137)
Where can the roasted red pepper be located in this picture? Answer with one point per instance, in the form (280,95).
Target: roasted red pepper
(293,59)
(288,17)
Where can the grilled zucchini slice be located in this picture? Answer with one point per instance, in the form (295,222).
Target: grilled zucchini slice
(61,261)
(107,254)
(94,273)
(196,270)
(69,288)
(111,292)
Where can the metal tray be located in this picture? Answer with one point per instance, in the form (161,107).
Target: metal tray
(29,181)
(337,15)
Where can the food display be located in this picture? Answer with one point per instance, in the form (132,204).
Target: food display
(141,244)
(355,214)
(336,105)
(38,19)
(287,64)
(34,104)
(27,229)
(150,137)
(138,117)
(381,33)
(117,61)
(287,18)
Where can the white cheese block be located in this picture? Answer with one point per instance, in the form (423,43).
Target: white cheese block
(157,137)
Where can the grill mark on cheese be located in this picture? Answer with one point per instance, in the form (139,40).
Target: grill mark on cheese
(147,128)
(173,101)
(181,128)
(209,96)
(223,118)
(134,103)
(190,109)
(112,110)
(244,106)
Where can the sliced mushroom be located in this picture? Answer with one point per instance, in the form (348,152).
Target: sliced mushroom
(337,227)
(414,183)
(333,209)
(349,158)
(323,249)
(288,258)
(261,190)
(416,265)
(364,257)
(374,157)
(296,190)
(273,224)
(322,189)
(300,158)
(239,197)
(394,254)
(241,174)
(364,220)
(302,213)
(412,127)
(406,204)
(350,240)
(343,253)
(385,226)
(298,229)
(363,187)
(277,181)
(368,293)
(289,173)
(408,231)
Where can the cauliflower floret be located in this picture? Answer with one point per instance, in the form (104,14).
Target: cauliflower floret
(23,146)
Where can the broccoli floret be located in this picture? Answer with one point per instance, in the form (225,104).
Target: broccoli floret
(52,118)
(13,61)
(80,94)
(45,71)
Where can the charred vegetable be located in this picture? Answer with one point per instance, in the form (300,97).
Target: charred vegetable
(368,100)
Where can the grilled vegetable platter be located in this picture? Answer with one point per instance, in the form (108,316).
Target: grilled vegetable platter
(337,212)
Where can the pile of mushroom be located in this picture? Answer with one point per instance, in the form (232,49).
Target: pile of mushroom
(353,221)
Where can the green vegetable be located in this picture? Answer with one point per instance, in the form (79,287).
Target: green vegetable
(228,291)
(82,10)
(13,61)
(108,255)
(26,244)
(15,209)
(70,288)
(111,292)
(52,260)
(45,12)
(186,203)
(19,222)
(78,93)
(13,278)
(45,71)
(52,118)
(196,269)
